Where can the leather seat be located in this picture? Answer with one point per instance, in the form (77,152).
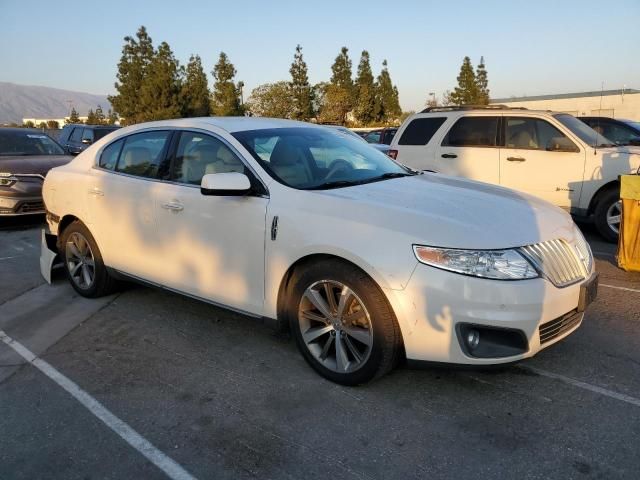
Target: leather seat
(289,163)
(197,162)
(135,161)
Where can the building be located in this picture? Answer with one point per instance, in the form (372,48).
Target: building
(38,121)
(624,103)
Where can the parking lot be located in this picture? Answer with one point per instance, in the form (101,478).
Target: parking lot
(223,396)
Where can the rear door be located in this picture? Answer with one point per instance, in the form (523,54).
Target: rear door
(74,143)
(470,149)
(538,158)
(412,145)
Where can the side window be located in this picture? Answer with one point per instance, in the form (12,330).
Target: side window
(88,135)
(420,131)
(473,132)
(143,155)
(535,134)
(199,154)
(616,133)
(76,135)
(109,156)
(388,135)
(373,137)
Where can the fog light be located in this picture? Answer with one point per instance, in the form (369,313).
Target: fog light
(473,339)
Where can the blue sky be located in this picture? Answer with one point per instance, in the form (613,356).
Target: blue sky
(532,47)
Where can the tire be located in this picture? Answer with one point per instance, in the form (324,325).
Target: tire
(607,205)
(367,333)
(82,260)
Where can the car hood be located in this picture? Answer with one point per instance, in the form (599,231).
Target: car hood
(444,211)
(32,164)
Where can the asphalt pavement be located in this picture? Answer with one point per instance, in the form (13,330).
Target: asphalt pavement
(214,394)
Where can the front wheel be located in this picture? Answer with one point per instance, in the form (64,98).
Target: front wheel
(343,323)
(607,215)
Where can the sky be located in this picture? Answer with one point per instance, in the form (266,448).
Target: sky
(530,47)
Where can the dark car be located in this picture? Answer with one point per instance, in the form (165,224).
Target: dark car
(619,131)
(380,135)
(76,137)
(26,155)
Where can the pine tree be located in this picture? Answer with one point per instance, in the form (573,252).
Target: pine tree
(137,55)
(466,93)
(226,94)
(159,96)
(112,117)
(73,117)
(387,105)
(100,118)
(300,88)
(196,98)
(482,84)
(91,118)
(339,94)
(53,125)
(365,103)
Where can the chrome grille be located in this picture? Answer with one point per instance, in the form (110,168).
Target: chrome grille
(555,328)
(559,262)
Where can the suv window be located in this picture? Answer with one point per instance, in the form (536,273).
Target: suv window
(199,154)
(143,155)
(87,134)
(110,155)
(98,133)
(388,135)
(420,130)
(373,137)
(533,134)
(76,135)
(473,132)
(617,133)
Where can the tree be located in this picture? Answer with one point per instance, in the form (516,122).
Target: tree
(482,84)
(466,93)
(73,117)
(301,92)
(365,103)
(387,98)
(273,100)
(42,125)
(28,124)
(91,118)
(159,97)
(112,117)
(226,94)
(100,118)
(137,54)
(195,90)
(338,98)
(53,124)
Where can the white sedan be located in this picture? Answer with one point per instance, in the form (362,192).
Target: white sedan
(366,261)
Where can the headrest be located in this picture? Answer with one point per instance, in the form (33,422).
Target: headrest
(286,154)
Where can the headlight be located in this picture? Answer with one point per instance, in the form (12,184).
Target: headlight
(7,179)
(496,264)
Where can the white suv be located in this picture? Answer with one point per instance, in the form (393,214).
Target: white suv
(551,155)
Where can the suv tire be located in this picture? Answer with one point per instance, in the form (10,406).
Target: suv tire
(608,203)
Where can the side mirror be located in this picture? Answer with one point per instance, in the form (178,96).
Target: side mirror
(86,141)
(225,184)
(561,144)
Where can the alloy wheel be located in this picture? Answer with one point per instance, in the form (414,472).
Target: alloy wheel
(80,261)
(613,216)
(335,326)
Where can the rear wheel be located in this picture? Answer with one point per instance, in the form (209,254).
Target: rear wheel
(343,323)
(607,214)
(83,262)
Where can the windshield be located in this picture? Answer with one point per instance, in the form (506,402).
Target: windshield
(583,131)
(318,158)
(633,124)
(27,142)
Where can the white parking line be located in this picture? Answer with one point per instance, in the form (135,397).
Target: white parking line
(128,434)
(9,258)
(586,386)
(626,289)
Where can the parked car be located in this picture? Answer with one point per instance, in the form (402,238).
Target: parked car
(75,138)
(364,259)
(378,146)
(26,155)
(621,132)
(551,155)
(380,135)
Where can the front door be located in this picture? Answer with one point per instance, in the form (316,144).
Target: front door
(211,247)
(539,159)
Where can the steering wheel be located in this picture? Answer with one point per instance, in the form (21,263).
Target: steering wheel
(338,165)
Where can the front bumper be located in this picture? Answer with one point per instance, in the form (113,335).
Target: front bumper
(435,305)
(13,206)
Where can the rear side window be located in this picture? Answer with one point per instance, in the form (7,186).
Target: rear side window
(143,155)
(373,137)
(87,134)
(473,132)
(420,131)
(388,135)
(76,135)
(101,132)
(110,155)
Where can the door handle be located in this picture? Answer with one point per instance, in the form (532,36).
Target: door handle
(173,206)
(449,155)
(516,159)
(96,191)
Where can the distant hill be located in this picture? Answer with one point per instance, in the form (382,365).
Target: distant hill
(20,101)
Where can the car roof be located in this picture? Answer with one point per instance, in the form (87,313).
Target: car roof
(230,124)
(21,130)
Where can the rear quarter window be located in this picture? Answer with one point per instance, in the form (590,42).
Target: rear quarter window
(109,156)
(420,131)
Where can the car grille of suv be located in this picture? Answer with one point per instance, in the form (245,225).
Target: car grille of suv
(555,328)
(563,264)
(31,207)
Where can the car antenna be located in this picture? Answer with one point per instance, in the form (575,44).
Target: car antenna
(598,117)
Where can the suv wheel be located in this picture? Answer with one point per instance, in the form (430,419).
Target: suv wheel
(607,214)
(343,323)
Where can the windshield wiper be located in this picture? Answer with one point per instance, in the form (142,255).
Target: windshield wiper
(396,175)
(336,184)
